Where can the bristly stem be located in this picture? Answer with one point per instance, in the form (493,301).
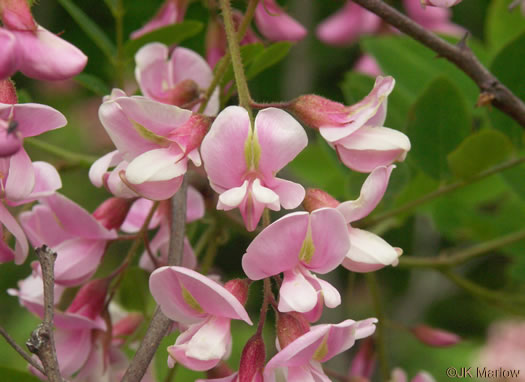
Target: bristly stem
(267,297)
(380,331)
(73,159)
(235,54)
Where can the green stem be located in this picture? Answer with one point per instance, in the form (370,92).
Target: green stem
(72,158)
(264,308)
(235,54)
(209,256)
(222,65)
(461,256)
(442,191)
(380,332)
(512,303)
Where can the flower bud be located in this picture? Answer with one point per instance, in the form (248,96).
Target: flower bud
(239,288)
(16,14)
(171,12)
(90,299)
(189,136)
(316,111)
(316,198)
(127,325)
(364,361)
(8,92)
(435,337)
(290,326)
(112,212)
(252,359)
(275,24)
(185,92)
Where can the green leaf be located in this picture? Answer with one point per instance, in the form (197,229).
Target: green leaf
(478,152)
(15,375)
(414,66)
(133,293)
(356,86)
(93,83)
(172,34)
(90,27)
(248,54)
(502,25)
(437,124)
(507,69)
(267,58)
(515,178)
(317,166)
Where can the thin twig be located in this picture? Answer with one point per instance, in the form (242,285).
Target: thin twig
(160,324)
(442,191)
(459,257)
(20,351)
(42,342)
(459,55)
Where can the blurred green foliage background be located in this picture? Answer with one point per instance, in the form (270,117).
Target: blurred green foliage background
(433,103)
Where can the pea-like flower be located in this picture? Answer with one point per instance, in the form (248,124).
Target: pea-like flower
(241,162)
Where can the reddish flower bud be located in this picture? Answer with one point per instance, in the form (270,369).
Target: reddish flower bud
(316,111)
(127,325)
(189,136)
(112,212)
(290,326)
(252,359)
(90,299)
(363,364)
(184,92)
(316,198)
(15,14)
(435,337)
(8,92)
(239,288)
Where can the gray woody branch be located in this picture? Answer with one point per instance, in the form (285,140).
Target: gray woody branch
(460,55)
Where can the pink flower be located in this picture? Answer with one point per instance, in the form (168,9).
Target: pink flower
(154,140)
(189,298)
(179,80)
(441,3)
(31,49)
(356,131)
(432,18)
(301,359)
(399,375)
(75,326)
(18,121)
(241,163)
(22,182)
(364,361)
(504,348)
(298,244)
(368,252)
(367,65)
(171,12)
(348,24)
(159,245)
(275,24)
(77,237)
